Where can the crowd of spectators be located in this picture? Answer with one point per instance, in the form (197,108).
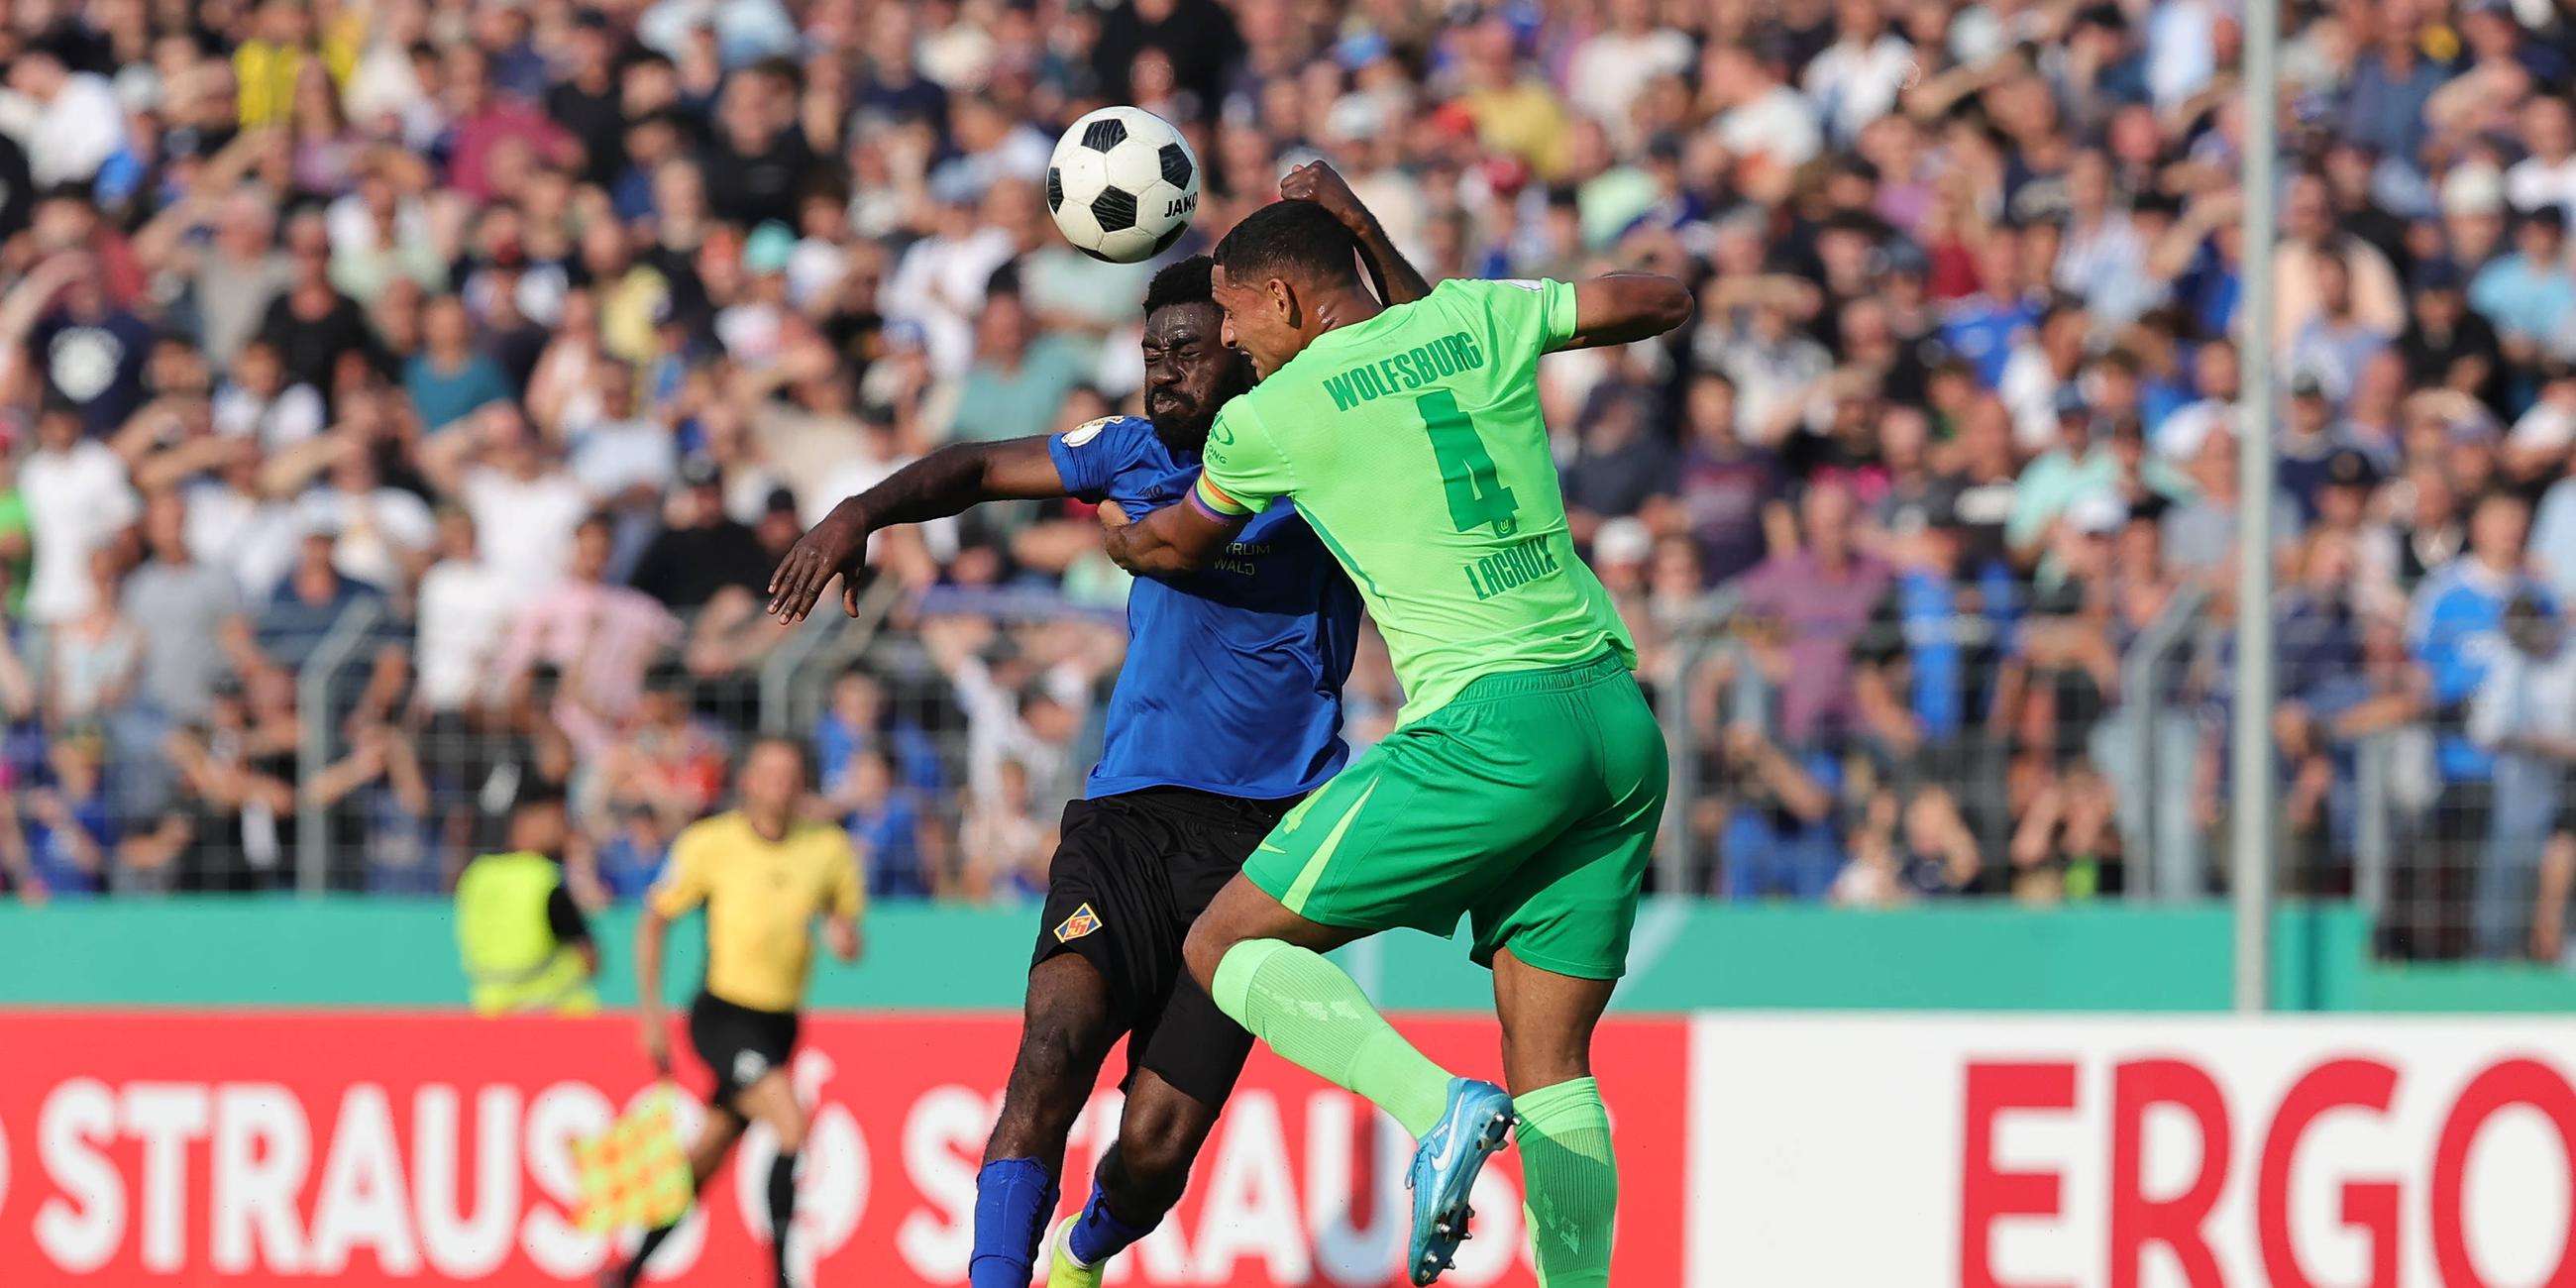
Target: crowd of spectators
(499,347)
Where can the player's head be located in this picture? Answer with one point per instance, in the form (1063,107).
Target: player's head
(1189,371)
(1272,270)
(773,776)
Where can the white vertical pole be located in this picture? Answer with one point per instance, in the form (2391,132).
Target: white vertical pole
(2251,810)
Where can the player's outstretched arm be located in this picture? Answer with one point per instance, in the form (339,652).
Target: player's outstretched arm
(1395,278)
(946,482)
(1176,538)
(1620,308)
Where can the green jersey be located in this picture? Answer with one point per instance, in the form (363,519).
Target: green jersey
(1413,445)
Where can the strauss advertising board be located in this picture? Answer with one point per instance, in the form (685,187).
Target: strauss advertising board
(378,1149)
(1774,1152)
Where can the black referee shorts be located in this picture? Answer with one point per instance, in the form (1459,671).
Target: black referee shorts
(739,1043)
(1129,876)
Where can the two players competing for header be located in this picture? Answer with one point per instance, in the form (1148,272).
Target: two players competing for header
(1524,786)
(1227,711)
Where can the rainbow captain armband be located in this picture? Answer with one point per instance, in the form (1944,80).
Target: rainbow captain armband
(1212,501)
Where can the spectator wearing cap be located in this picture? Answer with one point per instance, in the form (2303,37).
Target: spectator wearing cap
(2446,344)
(700,551)
(2308,442)
(2528,294)
(2092,456)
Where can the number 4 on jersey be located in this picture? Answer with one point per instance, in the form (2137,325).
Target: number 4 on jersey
(1476,496)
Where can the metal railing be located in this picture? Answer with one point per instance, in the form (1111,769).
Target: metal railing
(351,631)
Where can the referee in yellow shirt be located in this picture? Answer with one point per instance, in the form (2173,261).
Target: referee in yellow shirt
(764,877)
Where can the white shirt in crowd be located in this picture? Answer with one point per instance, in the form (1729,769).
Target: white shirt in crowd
(251,537)
(1780,125)
(68,139)
(1611,69)
(464,608)
(525,526)
(374,531)
(2532,183)
(77,500)
(293,416)
(1854,85)
(614,455)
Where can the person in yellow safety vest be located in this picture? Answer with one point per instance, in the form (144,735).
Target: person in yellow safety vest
(525,945)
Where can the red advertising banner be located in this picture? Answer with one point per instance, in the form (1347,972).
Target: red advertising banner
(363,1148)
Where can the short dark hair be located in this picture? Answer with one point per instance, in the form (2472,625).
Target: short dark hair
(1183,281)
(1290,236)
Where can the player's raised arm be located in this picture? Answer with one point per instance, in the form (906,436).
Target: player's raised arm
(1395,278)
(1620,308)
(948,481)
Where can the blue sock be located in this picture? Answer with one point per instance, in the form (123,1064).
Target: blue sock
(1013,1199)
(1099,1234)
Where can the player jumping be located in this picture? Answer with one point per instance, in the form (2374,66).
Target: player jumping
(1186,786)
(764,877)
(1522,788)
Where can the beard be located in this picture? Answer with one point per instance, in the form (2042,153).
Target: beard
(1184,427)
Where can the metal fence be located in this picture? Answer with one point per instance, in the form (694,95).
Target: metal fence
(1960,740)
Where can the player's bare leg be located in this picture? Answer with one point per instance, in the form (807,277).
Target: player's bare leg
(771,1100)
(1138,1180)
(1264,965)
(1567,1167)
(707,1153)
(1065,1033)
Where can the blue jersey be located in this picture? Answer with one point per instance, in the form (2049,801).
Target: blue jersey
(1233,681)
(2455,629)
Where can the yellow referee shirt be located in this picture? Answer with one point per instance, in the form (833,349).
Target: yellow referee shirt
(762,898)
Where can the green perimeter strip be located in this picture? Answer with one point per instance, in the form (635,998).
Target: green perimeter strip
(1690,955)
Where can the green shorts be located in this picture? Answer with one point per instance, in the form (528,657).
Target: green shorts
(1528,804)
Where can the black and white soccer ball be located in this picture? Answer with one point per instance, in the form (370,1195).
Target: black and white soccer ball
(1122,185)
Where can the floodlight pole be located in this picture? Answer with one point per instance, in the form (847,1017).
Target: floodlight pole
(2251,810)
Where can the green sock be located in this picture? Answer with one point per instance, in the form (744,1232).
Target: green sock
(1573,1182)
(1318,1019)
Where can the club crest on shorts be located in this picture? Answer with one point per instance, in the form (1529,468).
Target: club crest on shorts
(1082,922)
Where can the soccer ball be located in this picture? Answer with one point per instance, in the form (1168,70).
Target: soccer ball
(1122,185)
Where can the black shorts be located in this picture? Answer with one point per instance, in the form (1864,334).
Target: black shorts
(1129,876)
(739,1044)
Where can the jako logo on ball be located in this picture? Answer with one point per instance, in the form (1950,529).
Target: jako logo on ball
(1122,184)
